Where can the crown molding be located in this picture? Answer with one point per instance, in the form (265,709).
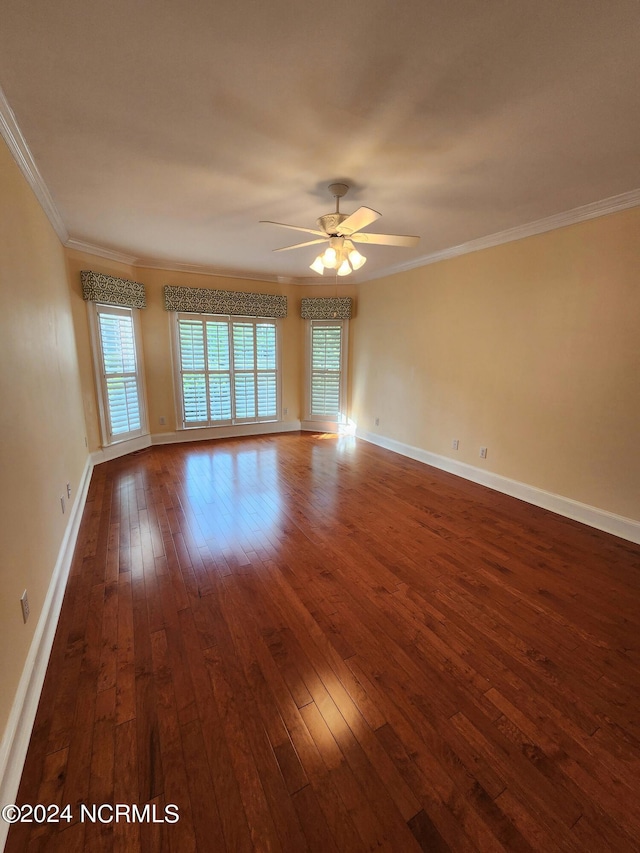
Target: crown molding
(204,269)
(595,209)
(100,251)
(17,144)
(172,266)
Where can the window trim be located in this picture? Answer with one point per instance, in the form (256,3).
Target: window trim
(316,421)
(94,308)
(174,318)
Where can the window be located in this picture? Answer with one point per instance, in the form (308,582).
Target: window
(117,361)
(227,370)
(326,375)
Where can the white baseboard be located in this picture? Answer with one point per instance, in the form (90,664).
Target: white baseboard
(122,448)
(618,525)
(15,741)
(326,426)
(237,431)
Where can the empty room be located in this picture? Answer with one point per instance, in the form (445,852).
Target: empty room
(320,370)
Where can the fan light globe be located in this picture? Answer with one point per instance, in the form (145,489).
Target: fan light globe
(318,266)
(355,258)
(344,268)
(330,258)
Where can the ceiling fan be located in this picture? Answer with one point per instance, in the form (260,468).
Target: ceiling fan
(342,230)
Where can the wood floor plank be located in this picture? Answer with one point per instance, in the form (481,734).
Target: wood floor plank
(200,819)
(305,642)
(126,835)
(235,828)
(251,784)
(427,835)
(176,779)
(359,808)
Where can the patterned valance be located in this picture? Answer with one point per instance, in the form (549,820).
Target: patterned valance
(98,287)
(201,300)
(323,308)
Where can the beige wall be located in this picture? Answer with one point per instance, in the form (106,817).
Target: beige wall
(42,446)
(531,349)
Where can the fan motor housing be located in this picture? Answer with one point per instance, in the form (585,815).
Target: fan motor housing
(330,222)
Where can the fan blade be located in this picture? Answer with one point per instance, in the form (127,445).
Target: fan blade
(362,217)
(385,239)
(295,227)
(300,245)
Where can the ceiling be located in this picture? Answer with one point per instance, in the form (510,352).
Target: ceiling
(165,130)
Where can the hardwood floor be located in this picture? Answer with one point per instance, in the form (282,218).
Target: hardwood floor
(310,643)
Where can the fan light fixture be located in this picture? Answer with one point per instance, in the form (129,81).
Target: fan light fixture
(341,255)
(341,231)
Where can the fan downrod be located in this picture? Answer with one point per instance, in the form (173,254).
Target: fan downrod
(330,221)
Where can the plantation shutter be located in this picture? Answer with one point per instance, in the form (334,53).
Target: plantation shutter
(228,370)
(244,370)
(266,370)
(326,369)
(219,370)
(194,383)
(119,370)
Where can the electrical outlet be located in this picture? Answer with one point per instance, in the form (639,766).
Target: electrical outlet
(377,421)
(163,420)
(483,453)
(68,491)
(455,444)
(62,503)
(24,603)
(286,411)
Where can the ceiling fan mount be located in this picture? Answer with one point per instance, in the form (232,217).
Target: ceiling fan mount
(342,231)
(338,190)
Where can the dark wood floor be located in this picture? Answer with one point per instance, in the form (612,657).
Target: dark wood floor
(310,643)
